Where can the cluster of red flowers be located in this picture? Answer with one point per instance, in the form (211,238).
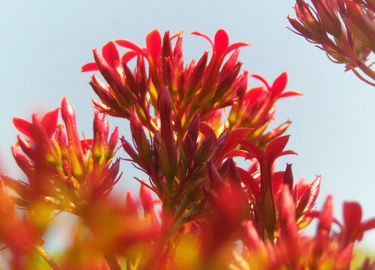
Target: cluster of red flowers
(198,209)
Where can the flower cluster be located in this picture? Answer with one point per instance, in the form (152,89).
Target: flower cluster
(344,29)
(200,207)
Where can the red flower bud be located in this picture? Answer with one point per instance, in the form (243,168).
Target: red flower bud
(288,177)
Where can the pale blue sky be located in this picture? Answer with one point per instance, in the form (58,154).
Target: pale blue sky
(44,44)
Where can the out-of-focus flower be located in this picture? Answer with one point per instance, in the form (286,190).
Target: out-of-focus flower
(61,168)
(344,29)
(353,227)
(19,233)
(293,250)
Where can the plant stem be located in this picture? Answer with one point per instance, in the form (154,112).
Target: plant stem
(43,253)
(368,71)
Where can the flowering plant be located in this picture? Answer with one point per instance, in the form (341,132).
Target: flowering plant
(200,206)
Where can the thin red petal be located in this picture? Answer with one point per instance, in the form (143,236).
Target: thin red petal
(254,94)
(89,67)
(146,198)
(237,45)
(234,137)
(368,225)
(352,215)
(325,217)
(260,78)
(253,150)
(129,55)
(214,176)
(288,152)
(237,153)
(131,45)
(314,191)
(110,54)
(290,94)
(49,121)
(153,44)
(177,34)
(23,126)
(287,215)
(279,84)
(203,36)
(275,148)
(205,129)
(86,144)
(131,206)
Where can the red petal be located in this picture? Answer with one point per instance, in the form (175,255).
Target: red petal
(237,45)
(252,239)
(49,121)
(146,199)
(352,215)
(203,36)
(110,54)
(21,188)
(368,225)
(240,133)
(234,137)
(314,191)
(290,94)
(214,176)
(126,57)
(287,215)
(325,217)
(236,153)
(254,150)
(279,85)
(277,182)
(153,44)
(221,41)
(251,183)
(177,34)
(254,94)
(23,126)
(288,152)
(89,67)
(260,78)
(205,129)
(275,148)
(86,144)
(131,45)
(131,206)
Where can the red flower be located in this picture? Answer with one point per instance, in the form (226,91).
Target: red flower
(220,45)
(57,163)
(353,227)
(265,200)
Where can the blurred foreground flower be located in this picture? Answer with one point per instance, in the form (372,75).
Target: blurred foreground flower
(344,29)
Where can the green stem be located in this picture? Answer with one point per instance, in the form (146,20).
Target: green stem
(43,253)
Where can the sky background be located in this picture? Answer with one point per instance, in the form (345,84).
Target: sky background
(44,44)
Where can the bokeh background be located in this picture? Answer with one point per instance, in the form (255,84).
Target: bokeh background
(44,43)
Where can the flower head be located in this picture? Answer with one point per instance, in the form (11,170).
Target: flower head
(59,165)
